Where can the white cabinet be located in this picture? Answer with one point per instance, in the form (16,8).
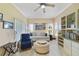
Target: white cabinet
(67,46)
(75,48)
(71,47)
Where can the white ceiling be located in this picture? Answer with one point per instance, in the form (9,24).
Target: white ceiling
(28,10)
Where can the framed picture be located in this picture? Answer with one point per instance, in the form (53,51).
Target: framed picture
(8,25)
(1,16)
(40,26)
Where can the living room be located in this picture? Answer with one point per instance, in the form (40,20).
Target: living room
(35,30)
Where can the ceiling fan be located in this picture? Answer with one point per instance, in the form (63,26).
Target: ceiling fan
(43,6)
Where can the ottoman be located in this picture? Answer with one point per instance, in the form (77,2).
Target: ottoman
(41,46)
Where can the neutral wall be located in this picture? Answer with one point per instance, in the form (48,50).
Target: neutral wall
(41,20)
(6,36)
(10,13)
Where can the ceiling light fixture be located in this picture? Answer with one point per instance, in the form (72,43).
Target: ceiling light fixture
(43,6)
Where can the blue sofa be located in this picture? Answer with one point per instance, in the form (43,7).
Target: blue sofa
(26,41)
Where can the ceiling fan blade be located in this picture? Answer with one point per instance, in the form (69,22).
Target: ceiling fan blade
(50,5)
(44,11)
(37,8)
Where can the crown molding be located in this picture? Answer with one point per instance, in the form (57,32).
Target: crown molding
(19,9)
(55,15)
(64,9)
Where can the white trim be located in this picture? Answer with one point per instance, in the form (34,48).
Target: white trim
(54,16)
(19,10)
(64,9)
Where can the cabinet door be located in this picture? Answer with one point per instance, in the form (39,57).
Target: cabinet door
(67,46)
(75,43)
(78,19)
(75,48)
(1,25)
(71,21)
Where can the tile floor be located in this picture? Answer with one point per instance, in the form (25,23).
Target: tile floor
(54,50)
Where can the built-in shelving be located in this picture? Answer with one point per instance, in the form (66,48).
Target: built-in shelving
(63,22)
(69,28)
(71,20)
(60,41)
(61,34)
(1,25)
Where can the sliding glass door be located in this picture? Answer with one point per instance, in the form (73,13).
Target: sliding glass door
(18,29)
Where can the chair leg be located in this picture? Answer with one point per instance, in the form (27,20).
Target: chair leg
(4,53)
